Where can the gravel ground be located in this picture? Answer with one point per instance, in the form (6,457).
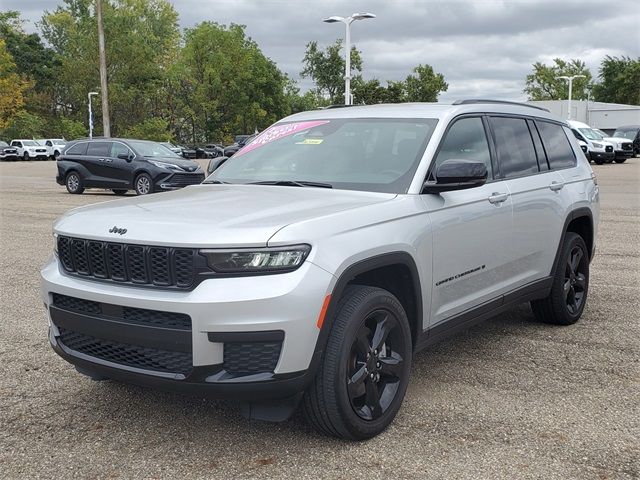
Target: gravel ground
(508,399)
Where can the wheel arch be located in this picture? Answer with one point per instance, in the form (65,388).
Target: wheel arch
(579,221)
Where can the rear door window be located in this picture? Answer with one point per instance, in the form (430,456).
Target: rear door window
(77,149)
(556,144)
(99,149)
(516,153)
(117,148)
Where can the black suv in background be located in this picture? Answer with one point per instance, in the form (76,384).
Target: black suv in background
(631,132)
(122,164)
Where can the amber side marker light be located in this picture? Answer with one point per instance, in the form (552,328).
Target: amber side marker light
(323,311)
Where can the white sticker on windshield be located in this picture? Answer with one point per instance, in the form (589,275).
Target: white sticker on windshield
(278,131)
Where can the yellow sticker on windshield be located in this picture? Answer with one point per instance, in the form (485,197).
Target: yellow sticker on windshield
(311,141)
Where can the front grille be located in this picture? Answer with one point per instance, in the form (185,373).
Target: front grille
(627,146)
(136,264)
(125,354)
(251,357)
(184,179)
(41,150)
(608,149)
(139,316)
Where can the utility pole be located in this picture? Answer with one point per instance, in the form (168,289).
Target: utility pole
(570,80)
(106,126)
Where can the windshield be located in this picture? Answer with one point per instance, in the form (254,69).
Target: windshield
(368,154)
(3,144)
(590,134)
(630,134)
(58,141)
(30,143)
(152,149)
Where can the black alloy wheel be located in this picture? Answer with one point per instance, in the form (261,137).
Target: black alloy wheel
(575,280)
(375,365)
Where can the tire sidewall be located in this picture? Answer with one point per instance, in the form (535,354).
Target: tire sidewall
(79,189)
(571,242)
(358,427)
(135,185)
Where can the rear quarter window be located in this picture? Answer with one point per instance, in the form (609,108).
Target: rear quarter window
(556,145)
(77,149)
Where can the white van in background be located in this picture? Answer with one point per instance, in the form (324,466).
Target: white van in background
(599,150)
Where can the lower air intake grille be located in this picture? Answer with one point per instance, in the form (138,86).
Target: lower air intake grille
(125,354)
(251,357)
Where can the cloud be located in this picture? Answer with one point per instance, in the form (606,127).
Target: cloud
(484,48)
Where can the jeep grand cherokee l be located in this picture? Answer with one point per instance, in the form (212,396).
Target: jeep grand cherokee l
(122,164)
(309,267)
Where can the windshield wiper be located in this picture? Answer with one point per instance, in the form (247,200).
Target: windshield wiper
(292,183)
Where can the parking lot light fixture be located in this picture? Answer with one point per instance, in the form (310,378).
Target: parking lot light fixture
(570,80)
(347,48)
(89,95)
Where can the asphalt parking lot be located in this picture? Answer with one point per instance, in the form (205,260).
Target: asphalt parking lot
(511,398)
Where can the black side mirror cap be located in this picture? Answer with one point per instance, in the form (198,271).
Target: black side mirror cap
(125,156)
(454,174)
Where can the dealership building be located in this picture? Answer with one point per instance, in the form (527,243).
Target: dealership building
(605,116)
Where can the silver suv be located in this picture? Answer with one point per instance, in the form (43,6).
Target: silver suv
(311,266)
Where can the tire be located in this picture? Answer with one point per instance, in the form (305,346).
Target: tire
(56,154)
(621,160)
(570,287)
(74,183)
(329,404)
(598,162)
(119,191)
(143,184)
(25,156)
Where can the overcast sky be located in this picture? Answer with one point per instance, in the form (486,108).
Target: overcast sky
(483,48)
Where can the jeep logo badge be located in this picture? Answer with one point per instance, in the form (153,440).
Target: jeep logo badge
(119,231)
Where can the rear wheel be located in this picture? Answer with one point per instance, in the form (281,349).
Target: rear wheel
(621,160)
(74,183)
(570,287)
(365,367)
(143,184)
(119,191)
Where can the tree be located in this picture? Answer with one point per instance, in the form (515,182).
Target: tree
(25,125)
(424,85)
(142,40)
(155,129)
(368,92)
(326,69)
(619,81)
(543,84)
(12,87)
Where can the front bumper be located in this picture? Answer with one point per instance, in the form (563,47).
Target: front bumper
(624,153)
(602,155)
(218,308)
(9,156)
(178,180)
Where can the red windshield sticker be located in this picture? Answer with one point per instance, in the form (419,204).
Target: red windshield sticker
(278,131)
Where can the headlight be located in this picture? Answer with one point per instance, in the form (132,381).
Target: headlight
(597,145)
(167,166)
(257,260)
(55,244)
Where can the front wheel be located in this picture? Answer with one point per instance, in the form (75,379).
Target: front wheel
(25,156)
(365,367)
(143,184)
(568,295)
(621,160)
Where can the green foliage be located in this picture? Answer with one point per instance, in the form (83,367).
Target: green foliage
(543,84)
(71,129)
(620,81)
(25,125)
(296,102)
(424,85)
(155,129)
(12,87)
(326,68)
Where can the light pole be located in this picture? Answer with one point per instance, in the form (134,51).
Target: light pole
(89,95)
(347,48)
(570,80)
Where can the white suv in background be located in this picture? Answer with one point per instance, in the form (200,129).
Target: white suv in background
(599,150)
(30,149)
(311,266)
(55,145)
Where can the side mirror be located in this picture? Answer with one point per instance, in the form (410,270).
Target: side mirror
(456,174)
(215,163)
(125,156)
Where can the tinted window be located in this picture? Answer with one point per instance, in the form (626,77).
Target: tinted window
(99,149)
(556,144)
(542,158)
(16,144)
(117,148)
(516,154)
(77,149)
(465,140)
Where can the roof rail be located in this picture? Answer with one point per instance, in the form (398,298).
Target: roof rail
(473,101)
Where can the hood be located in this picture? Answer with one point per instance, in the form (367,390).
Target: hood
(188,165)
(210,215)
(617,140)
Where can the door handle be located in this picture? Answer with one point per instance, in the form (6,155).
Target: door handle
(496,197)
(556,186)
